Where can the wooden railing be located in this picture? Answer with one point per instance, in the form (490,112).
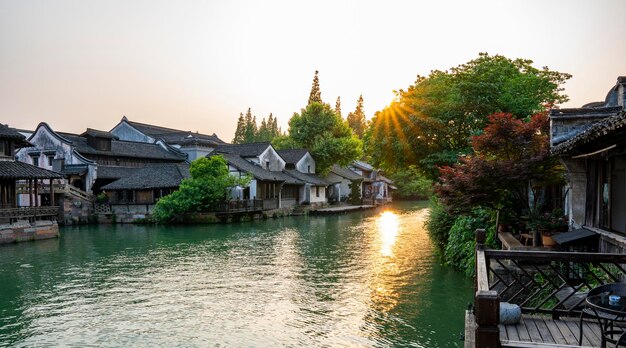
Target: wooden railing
(546,282)
(238,206)
(22,188)
(28,213)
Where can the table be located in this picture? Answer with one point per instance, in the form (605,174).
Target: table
(608,313)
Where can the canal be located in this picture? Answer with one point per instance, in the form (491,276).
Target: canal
(366,279)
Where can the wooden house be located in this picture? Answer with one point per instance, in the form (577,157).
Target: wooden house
(591,143)
(137,193)
(37,183)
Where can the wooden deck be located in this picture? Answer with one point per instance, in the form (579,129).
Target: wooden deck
(540,331)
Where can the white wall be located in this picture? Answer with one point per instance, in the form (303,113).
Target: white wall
(303,165)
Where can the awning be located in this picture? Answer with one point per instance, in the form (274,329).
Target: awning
(572,236)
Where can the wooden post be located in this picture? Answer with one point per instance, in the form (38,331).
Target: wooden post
(52,192)
(487,314)
(36,192)
(486,301)
(30,192)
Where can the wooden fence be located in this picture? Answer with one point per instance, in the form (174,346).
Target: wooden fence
(547,282)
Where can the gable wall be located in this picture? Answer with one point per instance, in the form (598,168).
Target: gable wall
(306,161)
(124,131)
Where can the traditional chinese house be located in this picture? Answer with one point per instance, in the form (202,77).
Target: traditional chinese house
(37,183)
(591,142)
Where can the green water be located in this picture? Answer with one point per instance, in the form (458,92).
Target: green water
(362,279)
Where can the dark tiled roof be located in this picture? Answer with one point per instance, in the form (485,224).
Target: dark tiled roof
(345,173)
(151,177)
(257,172)
(124,149)
(175,136)
(243,150)
(98,134)
(308,178)
(114,172)
(292,156)
(20,170)
(385,179)
(597,130)
(75,169)
(363,165)
(9,133)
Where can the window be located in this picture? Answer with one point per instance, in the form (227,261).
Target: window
(5,148)
(267,165)
(35,160)
(289,192)
(308,169)
(50,159)
(317,191)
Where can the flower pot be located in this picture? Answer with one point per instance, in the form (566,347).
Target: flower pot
(547,240)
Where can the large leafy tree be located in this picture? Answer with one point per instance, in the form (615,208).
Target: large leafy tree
(326,135)
(432,122)
(208,185)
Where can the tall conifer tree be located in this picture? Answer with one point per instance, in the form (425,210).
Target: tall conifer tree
(316,94)
(241,128)
(250,127)
(338,107)
(356,120)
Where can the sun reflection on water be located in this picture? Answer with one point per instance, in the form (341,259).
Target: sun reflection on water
(387,224)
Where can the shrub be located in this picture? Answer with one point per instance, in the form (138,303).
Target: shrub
(438,223)
(460,250)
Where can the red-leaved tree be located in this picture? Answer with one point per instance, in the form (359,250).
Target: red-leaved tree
(510,164)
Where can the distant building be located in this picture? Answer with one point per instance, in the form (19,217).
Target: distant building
(277,186)
(342,179)
(193,144)
(136,194)
(94,158)
(376,187)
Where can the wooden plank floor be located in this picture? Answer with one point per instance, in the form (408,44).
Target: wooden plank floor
(538,330)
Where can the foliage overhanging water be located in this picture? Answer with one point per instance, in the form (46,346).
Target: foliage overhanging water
(367,279)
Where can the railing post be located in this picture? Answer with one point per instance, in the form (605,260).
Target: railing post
(486,301)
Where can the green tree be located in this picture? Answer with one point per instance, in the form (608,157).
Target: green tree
(432,122)
(356,120)
(329,138)
(263,133)
(338,107)
(250,127)
(208,185)
(239,133)
(316,95)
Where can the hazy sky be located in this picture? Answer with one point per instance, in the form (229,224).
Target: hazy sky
(196,65)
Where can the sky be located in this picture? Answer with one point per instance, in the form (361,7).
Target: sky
(195,65)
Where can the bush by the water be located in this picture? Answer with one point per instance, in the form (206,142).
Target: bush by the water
(460,252)
(438,223)
(208,185)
